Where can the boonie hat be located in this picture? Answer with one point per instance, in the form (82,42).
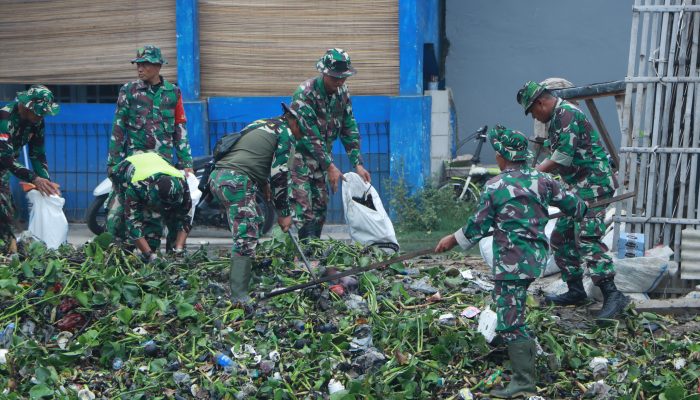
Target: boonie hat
(510,144)
(336,63)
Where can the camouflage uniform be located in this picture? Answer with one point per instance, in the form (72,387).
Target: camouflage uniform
(323,118)
(515,204)
(262,153)
(156,193)
(585,167)
(149,118)
(15,133)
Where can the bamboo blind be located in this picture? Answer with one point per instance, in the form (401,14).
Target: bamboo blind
(268,47)
(85,42)
(660,146)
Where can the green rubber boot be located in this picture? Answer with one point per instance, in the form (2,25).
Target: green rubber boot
(522,361)
(239,278)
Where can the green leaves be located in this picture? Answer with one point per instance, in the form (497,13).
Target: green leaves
(185,310)
(124,315)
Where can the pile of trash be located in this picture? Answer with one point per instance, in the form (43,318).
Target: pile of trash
(95,322)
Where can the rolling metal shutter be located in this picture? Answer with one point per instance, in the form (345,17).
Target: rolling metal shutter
(268,47)
(82,42)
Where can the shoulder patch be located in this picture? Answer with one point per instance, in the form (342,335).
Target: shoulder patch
(4,137)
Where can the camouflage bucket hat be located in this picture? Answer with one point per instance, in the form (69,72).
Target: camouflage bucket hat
(149,53)
(510,144)
(336,63)
(287,110)
(39,99)
(529,93)
(170,190)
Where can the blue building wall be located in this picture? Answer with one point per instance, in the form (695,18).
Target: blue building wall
(395,130)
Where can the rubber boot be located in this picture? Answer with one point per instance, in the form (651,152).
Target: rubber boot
(522,354)
(239,278)
(309,230)
(575,296)
(614,302)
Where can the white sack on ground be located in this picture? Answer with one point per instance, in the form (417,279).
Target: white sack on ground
(367,225)
(195,194)
(46,219)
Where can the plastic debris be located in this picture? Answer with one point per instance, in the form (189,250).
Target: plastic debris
(274,355)
(470,312)
(6,335)
(423,286)
(679,363)
(468,275)
(335,386)
(224,361)
(337,289)
(150,348)
(493,379)
(3,356)
(598,389)
(140,331)
(465,394)
(62,339)
(86,394)
(434,298)
(447,319)
(487,324)
(357,303)
(599,366)
(181,378)
(117,364)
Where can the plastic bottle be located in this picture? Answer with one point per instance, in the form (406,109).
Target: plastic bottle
(6,335)
(224,362)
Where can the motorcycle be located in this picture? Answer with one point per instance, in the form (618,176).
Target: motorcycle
(208,212)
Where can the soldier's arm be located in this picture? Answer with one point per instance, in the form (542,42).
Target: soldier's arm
(568,202)
(566,141)
(312,140)
(180,140)
(8,161)
(279,173)
(117,142)
(479,223)
(37,153)
(350,135)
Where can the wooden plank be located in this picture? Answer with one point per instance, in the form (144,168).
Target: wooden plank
(603,132)
(665,306)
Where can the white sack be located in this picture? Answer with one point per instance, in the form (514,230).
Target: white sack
(195,194)
(367,226)
(46,219)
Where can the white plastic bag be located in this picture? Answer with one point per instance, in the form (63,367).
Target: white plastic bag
(487,324)
(367,226)
(46,219)
(195,194)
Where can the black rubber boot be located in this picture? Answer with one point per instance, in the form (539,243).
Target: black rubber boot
(522,361)
(575,296)
(309,230)
(614,302)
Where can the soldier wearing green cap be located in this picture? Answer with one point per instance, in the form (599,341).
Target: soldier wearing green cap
(579,158)
(22,123)
(515,205)
(150,117)
(325,110)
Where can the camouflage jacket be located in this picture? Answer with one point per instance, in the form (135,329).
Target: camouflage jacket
(576,147)
(149,120)
(515,204)
(262,153)
(15,133)
(324,118)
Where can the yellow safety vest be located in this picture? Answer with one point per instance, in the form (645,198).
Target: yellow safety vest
(148,164)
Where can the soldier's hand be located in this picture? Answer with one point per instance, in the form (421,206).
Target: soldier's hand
(188,172)
(364,174)
(334,175)
(446,243)
(285,223)
(46,187)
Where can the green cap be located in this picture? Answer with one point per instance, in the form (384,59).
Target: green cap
(149,53)
(510,144)
(336,63)
(529,93)
(39,99)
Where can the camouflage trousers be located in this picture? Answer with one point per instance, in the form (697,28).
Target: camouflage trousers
(7,210)
(236,193)
(578,244)
(308,191)
(510,299)
(116,217)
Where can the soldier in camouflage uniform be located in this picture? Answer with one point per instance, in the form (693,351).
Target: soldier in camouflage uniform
(21,123)
(156,193)
(580,160)
(150,117)
(258,160)
(324,105)
(515,204)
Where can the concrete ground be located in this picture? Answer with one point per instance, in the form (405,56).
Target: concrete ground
(214,237)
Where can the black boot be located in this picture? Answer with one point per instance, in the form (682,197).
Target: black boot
(575,296)
(309,230)
(613,300)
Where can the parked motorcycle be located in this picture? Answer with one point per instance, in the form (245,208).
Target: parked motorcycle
(207,213)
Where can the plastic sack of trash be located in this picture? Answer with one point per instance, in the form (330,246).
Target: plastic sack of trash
(46,219)
(365,215)
(195,193)
(643,274)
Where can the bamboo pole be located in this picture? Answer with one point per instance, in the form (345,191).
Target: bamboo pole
(626,115)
